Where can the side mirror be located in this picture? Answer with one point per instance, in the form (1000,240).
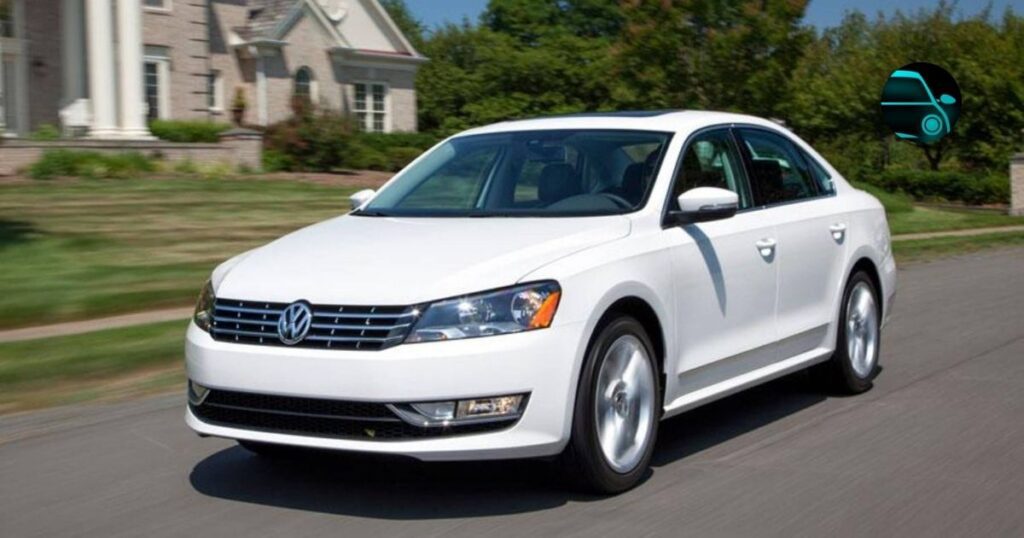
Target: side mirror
(704,204)
(947,99)
(360,198)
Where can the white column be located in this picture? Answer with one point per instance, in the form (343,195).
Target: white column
(99,19)
(73,50)
(129,26)
(3,96)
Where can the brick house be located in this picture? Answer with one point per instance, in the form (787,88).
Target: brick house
(102,68)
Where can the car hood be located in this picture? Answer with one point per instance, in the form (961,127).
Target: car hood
(401,261)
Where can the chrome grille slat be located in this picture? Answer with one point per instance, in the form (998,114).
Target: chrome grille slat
(330,326)
(365,328)
(243,321)
(247,310)
(345,315)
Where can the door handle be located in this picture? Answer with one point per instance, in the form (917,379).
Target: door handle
(766,246)
(837,230)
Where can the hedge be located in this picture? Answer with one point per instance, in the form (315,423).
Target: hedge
(188,131)
(952,186)
(90,164)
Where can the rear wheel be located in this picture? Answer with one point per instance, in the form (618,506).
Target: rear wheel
(854,364)
(617,408)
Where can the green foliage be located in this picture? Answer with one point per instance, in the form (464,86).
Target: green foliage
(311,140)
(970,188)
(528,58)
(539,57)
(833,93)
(45,133)
(407,23)
(90,164)
(894,202)
(708,54)
(188,131)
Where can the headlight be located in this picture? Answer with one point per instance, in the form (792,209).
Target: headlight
(204,308)
(511,310)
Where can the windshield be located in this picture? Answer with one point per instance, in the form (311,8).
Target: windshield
(532,173)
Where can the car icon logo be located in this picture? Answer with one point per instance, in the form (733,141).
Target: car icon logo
(294,323)
(910,106)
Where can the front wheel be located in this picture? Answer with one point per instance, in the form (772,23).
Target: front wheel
(854,364)
(618,403)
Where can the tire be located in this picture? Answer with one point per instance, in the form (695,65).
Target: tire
(631,396)
(270,451)
(851,369)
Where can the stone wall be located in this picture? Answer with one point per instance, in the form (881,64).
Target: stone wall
(238,148)
(1017,185)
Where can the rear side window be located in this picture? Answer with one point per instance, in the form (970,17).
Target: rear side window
(778,171)
(820,175)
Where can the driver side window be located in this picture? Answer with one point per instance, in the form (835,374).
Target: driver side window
(711,160)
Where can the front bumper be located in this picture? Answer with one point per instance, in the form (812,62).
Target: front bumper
(543,364)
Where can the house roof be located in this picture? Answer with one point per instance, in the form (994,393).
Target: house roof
(264,17)
(269,21)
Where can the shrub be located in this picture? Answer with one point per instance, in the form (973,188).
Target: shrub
(45,133)
(276,161)
(90,164)
(188,131)
(385,141)
(945,185)
(400,157)
(894,202)
(311,140)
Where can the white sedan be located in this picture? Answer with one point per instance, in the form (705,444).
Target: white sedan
(548,287)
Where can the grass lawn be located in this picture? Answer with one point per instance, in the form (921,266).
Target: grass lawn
(925,219)
(907,218)
(110,364)
(87,248)
(926,249)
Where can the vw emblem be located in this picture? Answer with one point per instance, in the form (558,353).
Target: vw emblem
(293,325)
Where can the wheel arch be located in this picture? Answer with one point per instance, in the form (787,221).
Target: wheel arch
(868,266)
(643,312)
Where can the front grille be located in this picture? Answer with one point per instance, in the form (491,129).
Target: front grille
(365,328)
(320,418)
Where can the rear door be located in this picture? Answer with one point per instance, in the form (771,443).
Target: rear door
(811,229)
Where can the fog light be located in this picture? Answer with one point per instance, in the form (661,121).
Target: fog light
(197,393)
(498,406)
(453,413)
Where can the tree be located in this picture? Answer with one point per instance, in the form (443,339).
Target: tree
(407,23)
(731,55)
(833,97)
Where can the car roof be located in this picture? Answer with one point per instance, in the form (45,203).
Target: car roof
(671,121)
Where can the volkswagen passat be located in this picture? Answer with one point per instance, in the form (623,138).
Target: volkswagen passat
(548,287)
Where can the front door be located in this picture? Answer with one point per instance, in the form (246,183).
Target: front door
(725,276)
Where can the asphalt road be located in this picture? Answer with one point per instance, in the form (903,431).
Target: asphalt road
(935,449)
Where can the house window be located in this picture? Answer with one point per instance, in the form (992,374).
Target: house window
(371,106)
(6,19)
(305,84)
(157,5)
(156,82)
(8,97)
(215,91)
